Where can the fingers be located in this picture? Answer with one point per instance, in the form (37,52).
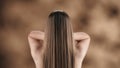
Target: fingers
(80,36)
(37,35)
(35,40)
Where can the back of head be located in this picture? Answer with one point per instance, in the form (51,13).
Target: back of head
(59,42)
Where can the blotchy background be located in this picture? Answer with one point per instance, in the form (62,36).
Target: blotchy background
(99,18)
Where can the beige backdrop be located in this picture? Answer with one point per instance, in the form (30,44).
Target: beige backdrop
(99,18)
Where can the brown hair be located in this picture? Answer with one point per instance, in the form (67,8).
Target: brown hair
(58,42)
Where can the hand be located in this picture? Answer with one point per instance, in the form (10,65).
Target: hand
(81,41)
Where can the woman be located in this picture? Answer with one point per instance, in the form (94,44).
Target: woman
(61,49)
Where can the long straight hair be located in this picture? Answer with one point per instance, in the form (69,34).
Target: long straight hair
(58,42)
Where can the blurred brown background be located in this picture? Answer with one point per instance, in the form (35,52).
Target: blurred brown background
(99,18)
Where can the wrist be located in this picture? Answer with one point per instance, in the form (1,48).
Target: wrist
(38,64)
(78,63)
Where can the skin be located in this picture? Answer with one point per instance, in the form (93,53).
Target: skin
(81,44)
